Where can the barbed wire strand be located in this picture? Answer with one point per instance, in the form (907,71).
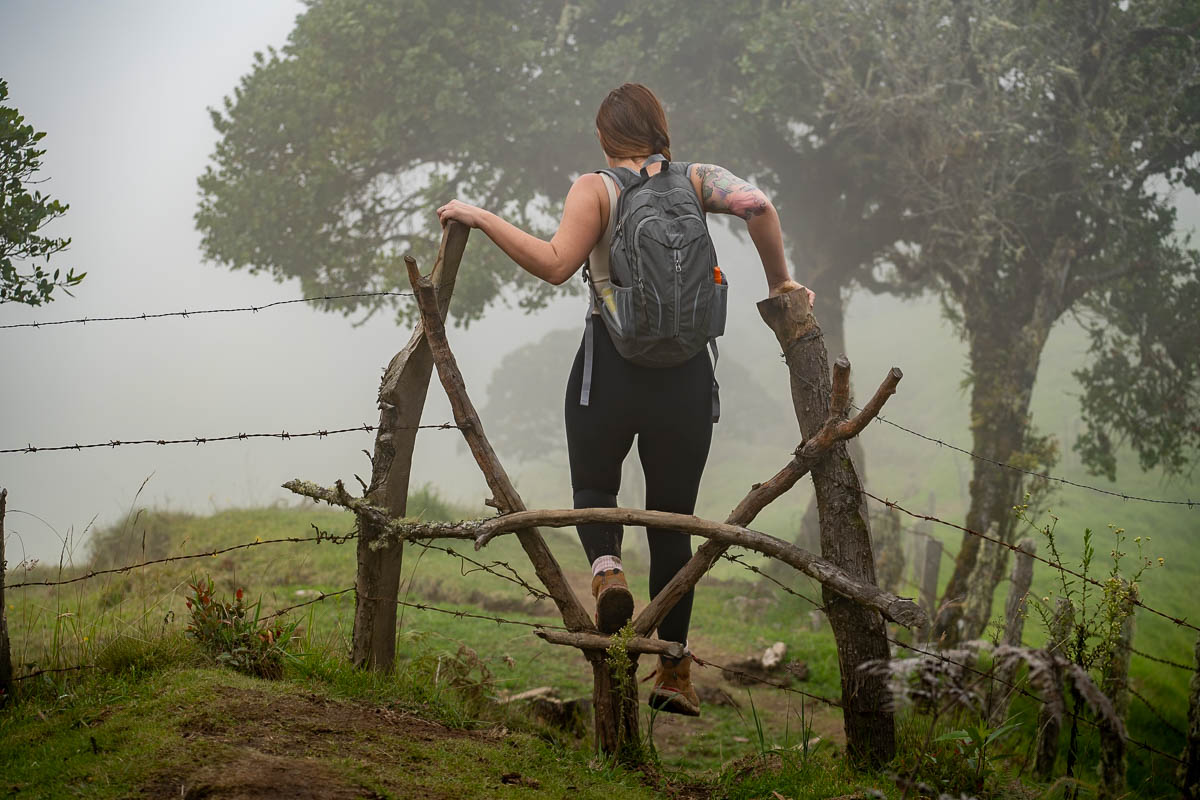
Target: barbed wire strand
(320,596)
(206,554)
(514,577)
(1155,711)
(1168,662)
(198,440)
(469,615)
(186,314)
(780,686)
(737,559)
(1055,564)
(1005,465)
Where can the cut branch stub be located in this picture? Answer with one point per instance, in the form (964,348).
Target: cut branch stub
(505,494)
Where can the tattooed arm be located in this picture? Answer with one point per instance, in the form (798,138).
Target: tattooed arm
(722,192)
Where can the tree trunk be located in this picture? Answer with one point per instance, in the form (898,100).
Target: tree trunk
(977,609)
(1189,770)
(1003,367)
(401,401)
(860,632)
(1050,718)
(6,681)
(615,703)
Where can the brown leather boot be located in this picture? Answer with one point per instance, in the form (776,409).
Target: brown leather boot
(673,691)
(614,601)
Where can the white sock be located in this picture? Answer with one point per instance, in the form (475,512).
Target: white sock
(606,562)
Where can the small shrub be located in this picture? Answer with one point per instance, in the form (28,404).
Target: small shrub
(235,635)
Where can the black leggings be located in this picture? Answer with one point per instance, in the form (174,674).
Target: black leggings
(670,412)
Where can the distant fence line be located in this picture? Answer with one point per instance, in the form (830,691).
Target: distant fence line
(233,437)
(201,312)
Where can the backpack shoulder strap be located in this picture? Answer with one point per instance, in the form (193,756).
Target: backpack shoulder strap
(622,176)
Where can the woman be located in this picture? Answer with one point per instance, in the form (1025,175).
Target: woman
(668,409)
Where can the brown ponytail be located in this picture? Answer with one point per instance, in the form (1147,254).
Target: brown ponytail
(632,123)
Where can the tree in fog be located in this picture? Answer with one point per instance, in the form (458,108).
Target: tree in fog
(23,213)
(335,151)
(1032,141)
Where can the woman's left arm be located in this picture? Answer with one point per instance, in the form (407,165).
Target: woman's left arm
(554,261)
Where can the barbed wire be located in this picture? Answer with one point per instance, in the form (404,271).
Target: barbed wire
(737,559)
(469,615)
(1168,662)
(757,679)
(1053,478)
(198,440)
(1003,464)
(513,577)
(320,596)
(186,314)
(1155,711)
(320,537)
(49,670)
(1055,564)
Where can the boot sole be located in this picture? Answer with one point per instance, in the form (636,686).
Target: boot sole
(613,609)
(672,703)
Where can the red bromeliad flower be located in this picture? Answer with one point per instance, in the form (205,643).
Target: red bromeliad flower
(239,594)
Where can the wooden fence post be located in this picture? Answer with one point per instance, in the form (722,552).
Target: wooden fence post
(1050,715)
(401,401)
(1189,770)
(931,565)
(889,550)
(860,632)
(6,674)
(1014,625)
(1115,683)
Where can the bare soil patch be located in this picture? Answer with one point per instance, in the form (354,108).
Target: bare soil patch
(253,744)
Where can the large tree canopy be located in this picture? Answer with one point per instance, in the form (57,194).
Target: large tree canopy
(1031,142)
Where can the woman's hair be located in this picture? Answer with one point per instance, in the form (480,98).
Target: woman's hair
(632,123)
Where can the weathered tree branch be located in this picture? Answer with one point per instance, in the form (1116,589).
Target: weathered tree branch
(596,641)
(898,609)
(503,491)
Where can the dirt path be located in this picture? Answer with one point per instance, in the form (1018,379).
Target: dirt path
(777,710)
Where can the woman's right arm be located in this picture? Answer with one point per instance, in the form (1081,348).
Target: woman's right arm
(722,192)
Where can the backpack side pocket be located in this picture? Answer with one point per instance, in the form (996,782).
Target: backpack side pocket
(718,309)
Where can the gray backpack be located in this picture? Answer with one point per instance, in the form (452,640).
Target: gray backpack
(666,299)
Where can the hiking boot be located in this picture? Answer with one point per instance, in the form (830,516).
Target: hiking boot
(673,691)
(614,601)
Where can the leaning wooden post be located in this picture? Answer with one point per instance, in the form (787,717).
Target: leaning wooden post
(614,690)
(860,632)
(1050,717)
(1014,626)
(1189,769)
(6,672)
(401,401)
(1115,683)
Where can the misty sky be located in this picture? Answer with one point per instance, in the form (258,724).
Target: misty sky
(122,89)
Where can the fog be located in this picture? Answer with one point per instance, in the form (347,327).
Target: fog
(122,90)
